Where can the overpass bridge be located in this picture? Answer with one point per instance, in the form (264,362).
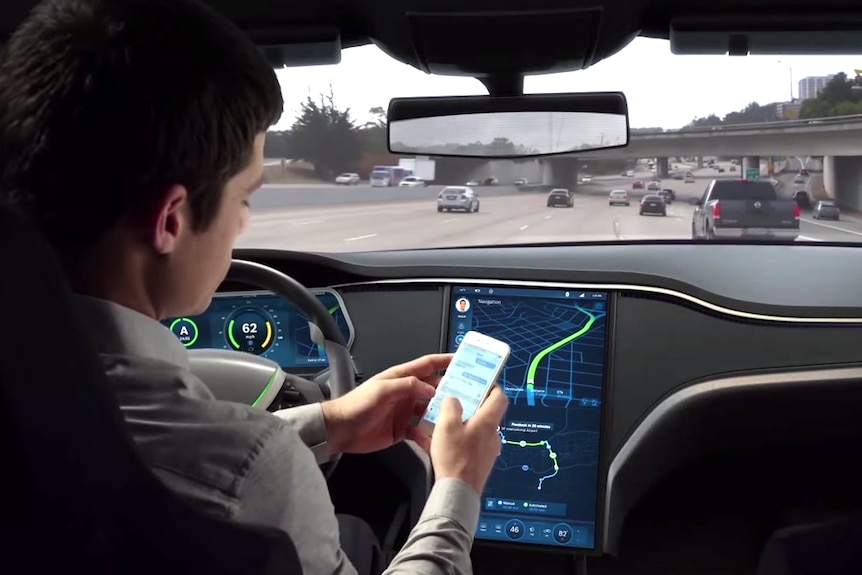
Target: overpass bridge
(838,139)
(836,136)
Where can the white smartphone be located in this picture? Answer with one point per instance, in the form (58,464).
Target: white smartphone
(472,374)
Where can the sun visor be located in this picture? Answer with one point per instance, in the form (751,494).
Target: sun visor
(767,34)
(307,46)
(482,43)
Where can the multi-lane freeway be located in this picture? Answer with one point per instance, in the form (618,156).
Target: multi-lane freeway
(357,218)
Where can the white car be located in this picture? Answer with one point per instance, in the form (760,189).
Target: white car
(412,182)
(586,179)
(653,186)
(460,198)
(347,179)
(618,197)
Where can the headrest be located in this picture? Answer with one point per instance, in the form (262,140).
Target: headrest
(73,483)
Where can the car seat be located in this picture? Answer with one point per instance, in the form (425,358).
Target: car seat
(77,498)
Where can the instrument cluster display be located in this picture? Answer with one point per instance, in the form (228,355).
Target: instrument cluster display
(264,324)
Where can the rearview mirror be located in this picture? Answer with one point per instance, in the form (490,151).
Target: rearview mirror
(508,127)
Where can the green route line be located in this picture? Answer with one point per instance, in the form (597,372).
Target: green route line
(534,365)
(551,454)
(333,309)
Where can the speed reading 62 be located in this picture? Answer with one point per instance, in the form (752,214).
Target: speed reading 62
(250,329)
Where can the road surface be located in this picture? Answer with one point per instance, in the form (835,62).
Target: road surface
(506,217)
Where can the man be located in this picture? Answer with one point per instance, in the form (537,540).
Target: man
(132,133)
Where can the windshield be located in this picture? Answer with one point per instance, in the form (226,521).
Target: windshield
(334,123)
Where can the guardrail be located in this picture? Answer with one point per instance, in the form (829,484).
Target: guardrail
(853,119)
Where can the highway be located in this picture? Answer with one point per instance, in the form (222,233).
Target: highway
(357,218)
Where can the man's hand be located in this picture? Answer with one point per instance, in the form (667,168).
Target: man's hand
(468,450)
(380,412)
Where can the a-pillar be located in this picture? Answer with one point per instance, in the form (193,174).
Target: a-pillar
(750,163)
(662,169)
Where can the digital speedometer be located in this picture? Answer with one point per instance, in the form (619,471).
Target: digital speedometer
(250,329)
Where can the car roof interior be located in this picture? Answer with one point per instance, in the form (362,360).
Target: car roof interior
(563,34)
(752,467)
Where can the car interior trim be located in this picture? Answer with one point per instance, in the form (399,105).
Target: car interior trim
(618,287)
(679,401)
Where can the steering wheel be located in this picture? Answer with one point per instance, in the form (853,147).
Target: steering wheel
(246,378)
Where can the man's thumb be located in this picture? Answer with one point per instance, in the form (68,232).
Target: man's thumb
(450,411)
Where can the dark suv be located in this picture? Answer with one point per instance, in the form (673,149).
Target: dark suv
(560,197)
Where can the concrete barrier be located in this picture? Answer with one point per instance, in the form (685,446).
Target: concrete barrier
(274,196)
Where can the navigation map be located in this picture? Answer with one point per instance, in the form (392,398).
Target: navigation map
(548,467)
(306,350)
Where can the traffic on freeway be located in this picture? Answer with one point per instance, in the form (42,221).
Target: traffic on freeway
(363,218)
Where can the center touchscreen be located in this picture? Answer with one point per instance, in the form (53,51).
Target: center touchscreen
(543,489)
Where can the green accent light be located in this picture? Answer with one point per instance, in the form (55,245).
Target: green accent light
(266,388)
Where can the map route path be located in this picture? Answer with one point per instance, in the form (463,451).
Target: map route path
(534,364)
(530,392)
(543,443)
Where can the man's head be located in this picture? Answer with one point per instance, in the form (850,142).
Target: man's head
(131,131)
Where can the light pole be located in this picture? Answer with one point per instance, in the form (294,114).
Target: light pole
(790,72)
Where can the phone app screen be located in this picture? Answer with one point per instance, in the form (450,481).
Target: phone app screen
(466,380)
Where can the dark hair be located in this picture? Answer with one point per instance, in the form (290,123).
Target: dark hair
(106,103)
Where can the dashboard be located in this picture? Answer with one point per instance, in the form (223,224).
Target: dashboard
(626,365)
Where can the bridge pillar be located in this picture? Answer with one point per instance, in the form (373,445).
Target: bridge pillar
(750,163)
(662,168)
(699,162)
(842,180)
(547,173)
(564,173)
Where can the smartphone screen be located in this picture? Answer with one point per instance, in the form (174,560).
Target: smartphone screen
(473,370)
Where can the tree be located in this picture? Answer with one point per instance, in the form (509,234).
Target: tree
(837,98)
(325,136)
(378,120)
(374,133)
(276,145)
(753,113)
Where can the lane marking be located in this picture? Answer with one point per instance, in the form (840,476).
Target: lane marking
(548,217)
(365,237)
(808,239)
(618,230)
(450,220)
(845,230)
(305,222)
(522,228)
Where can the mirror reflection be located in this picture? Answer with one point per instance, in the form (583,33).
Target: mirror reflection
(508,134)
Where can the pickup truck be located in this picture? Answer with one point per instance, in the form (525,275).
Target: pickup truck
(746,210)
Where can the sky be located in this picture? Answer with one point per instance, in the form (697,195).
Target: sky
(663,90)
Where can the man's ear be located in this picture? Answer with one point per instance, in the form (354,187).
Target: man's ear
(168,219)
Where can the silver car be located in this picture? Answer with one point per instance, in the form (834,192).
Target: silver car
(458,198)
(826,210)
